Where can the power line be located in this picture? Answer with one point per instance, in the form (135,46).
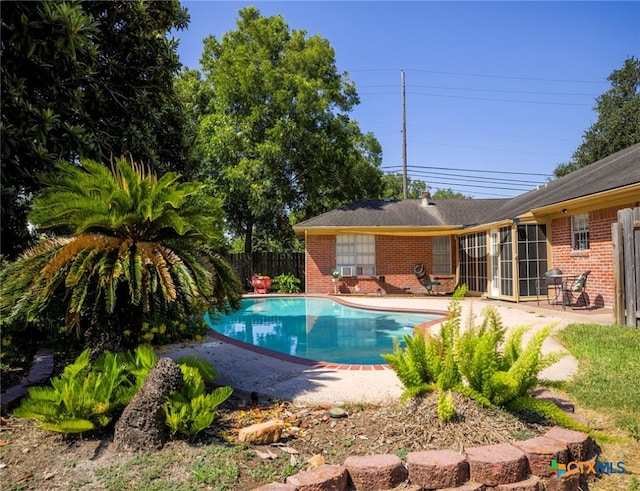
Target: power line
(490,133)
(479,170)
(475,89)
(478,178)
(502,188)
(484,148)
(501,100)
(480,75)
(510,77)
(490,99)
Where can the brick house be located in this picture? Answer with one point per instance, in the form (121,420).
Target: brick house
(499,248)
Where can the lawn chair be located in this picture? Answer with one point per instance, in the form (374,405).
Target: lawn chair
(421,274)
(575,292)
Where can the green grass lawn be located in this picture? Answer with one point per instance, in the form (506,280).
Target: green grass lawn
(608,380)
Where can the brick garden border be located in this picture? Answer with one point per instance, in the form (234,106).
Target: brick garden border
(519,466)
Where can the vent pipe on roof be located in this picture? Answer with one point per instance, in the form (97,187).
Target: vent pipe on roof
(426,198)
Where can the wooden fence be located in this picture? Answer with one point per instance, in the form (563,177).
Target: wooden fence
(626,267)
(269,264)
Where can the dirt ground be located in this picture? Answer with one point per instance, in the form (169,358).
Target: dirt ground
(34,459)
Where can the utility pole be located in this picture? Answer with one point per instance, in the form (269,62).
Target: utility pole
(405,194)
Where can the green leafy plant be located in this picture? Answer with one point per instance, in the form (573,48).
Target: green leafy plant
(412,366)
(206,369)
(446,407)
(477,362)
(286,283)
(84,397)
(191,410)
(141,247)
(89,395)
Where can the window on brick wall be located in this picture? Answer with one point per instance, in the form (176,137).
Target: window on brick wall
(441,247)
(358,251)
(580,232)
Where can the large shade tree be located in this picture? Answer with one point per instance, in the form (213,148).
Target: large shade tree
(85,79)
(274,127)
(618,124)
(394,183)
(137,246)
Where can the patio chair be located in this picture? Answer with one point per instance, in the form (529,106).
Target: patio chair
(552,283)
(575,292)
(421,274)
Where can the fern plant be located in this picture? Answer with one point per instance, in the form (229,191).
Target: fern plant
(477,362)
(427,362)
(446,406)
(411,365)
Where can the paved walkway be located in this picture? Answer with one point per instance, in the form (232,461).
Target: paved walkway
(248,371)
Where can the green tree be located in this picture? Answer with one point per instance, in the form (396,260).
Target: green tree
(393,183)
(85,79)
(274,128)
(618,124)
(448,194)
(140,247)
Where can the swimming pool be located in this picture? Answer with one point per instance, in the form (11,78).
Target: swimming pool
(318,329)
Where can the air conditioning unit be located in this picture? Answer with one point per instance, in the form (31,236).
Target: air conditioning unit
(347,271)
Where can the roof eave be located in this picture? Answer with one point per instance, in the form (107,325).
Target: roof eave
(379,230)
(614,197)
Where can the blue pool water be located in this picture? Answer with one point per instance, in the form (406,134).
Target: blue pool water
(317,328)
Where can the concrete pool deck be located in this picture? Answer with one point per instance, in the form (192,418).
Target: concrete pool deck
(277,377)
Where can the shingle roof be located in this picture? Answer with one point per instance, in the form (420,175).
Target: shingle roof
(618,170)
(405,213)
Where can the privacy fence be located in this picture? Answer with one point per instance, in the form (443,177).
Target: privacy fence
(626,267)
(268,263)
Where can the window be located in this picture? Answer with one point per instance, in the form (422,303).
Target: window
(358,251)
(441,255)
(580,232)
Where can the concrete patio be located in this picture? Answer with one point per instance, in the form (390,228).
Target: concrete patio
(278,377)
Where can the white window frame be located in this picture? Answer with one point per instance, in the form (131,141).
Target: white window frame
(580,232)
(441,254)
(358,251)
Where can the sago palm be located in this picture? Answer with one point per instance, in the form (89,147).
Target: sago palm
(136,246)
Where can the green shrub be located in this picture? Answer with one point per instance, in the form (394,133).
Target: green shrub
(477,362)
(411,365)
(84,397)
(191,410)
(285,283)
(89,396)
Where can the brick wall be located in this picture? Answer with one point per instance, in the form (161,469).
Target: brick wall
(598,259)
(321,261)
(395,259)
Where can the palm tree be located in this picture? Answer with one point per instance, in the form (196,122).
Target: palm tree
(138,246)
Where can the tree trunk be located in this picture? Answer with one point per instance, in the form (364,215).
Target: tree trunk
(248,239)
